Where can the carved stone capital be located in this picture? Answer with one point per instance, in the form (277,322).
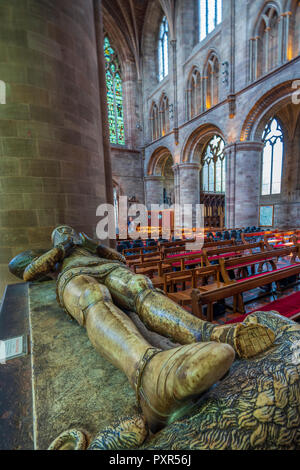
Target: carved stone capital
(250,145)
(189,166)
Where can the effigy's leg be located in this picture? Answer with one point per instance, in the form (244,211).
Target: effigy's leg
(162,315)
(163,380)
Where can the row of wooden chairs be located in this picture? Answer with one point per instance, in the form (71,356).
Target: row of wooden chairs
(206,278)
(236,290)
(184,296)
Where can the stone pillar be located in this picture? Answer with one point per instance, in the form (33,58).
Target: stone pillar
(255,58)
(175,92)
(52,167)
(247,183)
(189,185)
(252,60)
(230,158)
(154,190)
(175,169)
(267,41)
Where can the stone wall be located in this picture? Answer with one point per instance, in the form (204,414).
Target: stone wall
(127,170)
(238,97)
(51,147)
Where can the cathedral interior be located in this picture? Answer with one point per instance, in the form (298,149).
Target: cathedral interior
(145,106)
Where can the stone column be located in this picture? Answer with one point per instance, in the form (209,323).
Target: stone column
(175,92)
(175,169)
(52,169)
(252,60)
(189,185)
(255,57)
(230,158)
(247,183)
(131,97)
(154,190)
(267,41)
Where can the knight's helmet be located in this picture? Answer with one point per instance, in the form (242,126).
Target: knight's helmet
(64,233)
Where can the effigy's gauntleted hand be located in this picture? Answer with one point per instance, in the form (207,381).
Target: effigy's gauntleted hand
(46,263)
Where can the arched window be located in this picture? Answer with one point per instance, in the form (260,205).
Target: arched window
(211,91)
(193,96)
(164,115)
(213,166)
(266,46)
(272,158)
(210,15)
(163,49)
(114,95)
(154,122)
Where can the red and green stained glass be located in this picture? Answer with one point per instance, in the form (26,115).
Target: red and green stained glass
(114,95)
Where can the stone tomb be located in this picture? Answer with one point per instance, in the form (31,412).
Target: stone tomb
(64,383)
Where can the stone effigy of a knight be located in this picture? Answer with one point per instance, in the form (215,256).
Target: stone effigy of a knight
(96,288)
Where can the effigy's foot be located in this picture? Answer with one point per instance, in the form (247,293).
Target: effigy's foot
(247,339)
(171,378)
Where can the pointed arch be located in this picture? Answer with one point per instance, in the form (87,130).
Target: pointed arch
(158,160)
(194,94)
(164,115)
(194,145)
(266,106)
(154,122)
(266,45)
(211,78)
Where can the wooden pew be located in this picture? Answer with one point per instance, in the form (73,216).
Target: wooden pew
(148,269)
(156,269)
(193,276)
(215,254)
(282,239)
(246,237)
(236,288)
(163,245)
(172,252)
(141,254)
(268,256)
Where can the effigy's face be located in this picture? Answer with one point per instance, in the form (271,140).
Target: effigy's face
(64,233)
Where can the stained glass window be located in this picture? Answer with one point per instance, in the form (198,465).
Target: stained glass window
(213,166)
(210,15)
(114,95)
(272,158)
(163,49)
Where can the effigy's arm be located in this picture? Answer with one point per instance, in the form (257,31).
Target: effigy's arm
(47,263)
